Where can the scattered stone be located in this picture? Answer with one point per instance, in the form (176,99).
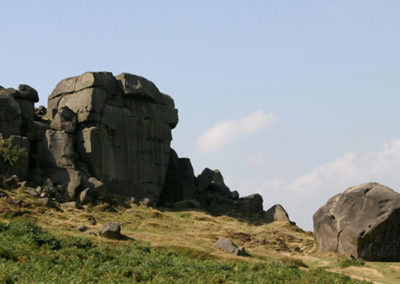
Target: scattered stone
(362,222)
(92,220)
(111,230)
(82,228)
(228,246)
(47,201)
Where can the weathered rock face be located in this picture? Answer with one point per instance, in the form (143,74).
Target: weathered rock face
(363,222)
(105,135)
(118,127)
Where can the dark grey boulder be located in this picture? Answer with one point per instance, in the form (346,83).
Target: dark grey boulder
(111,230)
(362,222)
(27,93)
(82,228)
(251,204)
(10,114)
(228,246)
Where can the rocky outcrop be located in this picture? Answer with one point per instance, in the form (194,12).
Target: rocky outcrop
(208,190)
(115,129)
(362,222)
(103,135)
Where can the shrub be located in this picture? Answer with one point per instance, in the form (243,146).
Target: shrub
(11,155)
(345,261)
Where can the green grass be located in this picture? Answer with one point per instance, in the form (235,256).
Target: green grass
(344,261)
(30,254)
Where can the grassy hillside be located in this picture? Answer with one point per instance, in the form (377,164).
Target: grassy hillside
(41,244)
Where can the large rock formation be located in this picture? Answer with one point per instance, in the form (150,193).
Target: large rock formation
(105,135)
(363,222)
(115,129)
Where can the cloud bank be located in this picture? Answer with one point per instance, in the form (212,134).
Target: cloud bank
(226,131)
(303,195)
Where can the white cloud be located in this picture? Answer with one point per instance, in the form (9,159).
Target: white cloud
(351,169)
(303,195)
(226,131)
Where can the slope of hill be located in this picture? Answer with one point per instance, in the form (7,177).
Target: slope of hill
(160,246)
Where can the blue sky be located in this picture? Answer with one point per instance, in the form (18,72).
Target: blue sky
(296,100)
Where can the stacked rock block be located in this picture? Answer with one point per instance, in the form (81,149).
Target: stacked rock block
(115,129)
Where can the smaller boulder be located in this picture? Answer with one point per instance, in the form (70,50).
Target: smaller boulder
(111,230)
(228,246)
(82,228)
(31,191)
(276,213)
(92,220)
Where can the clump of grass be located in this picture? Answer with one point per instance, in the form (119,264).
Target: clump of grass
(29,254)
(293,262)
(345,261)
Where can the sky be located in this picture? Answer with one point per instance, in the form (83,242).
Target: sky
(295,100)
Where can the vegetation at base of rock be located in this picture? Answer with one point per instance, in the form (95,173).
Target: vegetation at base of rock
(10,154)
(31,254)
(345,261)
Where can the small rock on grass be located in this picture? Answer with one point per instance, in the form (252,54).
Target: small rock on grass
(228,246)
(111,230)
(82,228)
